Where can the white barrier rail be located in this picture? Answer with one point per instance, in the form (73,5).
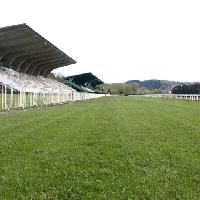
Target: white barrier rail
(191,97)
(19,90)
(13,100)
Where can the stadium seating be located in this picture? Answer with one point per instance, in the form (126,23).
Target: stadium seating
(28,83)
(20,90)
(26,60)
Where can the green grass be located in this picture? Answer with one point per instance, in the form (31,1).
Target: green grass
(109,148)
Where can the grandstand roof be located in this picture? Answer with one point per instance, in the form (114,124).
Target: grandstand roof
(24,50)
(86,79)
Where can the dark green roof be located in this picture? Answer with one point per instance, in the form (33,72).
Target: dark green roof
(86,80)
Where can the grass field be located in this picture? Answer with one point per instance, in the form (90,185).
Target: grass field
(109,148)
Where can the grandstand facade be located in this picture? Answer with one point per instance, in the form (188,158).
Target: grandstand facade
(26,59)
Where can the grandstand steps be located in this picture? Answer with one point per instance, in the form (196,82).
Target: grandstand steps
(20,90)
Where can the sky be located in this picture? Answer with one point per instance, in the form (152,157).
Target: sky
(117,40)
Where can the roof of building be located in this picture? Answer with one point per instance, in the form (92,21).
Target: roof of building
(86,80)
(24,50)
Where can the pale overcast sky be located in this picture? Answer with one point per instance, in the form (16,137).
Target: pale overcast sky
(117,40)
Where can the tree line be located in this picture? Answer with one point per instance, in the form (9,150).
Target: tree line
(128,89)
(187,89)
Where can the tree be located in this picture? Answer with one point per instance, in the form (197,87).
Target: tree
(130,89)
(122,88)
(100,88)
(187,89)
(58,77)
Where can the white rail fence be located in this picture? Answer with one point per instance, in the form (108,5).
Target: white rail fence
(190,97)
(20,99)
(19,90)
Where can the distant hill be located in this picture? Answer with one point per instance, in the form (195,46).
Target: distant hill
(149,84)
(153,84)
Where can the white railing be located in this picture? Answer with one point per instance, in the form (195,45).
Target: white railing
(20,99)
(18,90)
(191,97)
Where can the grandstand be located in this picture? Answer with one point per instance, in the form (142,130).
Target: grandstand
(26,60)
(85,82)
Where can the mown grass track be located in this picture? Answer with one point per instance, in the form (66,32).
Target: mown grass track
(109,148)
